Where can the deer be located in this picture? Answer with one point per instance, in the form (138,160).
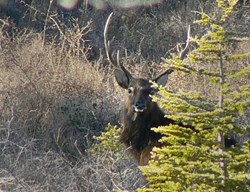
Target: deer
(140,113)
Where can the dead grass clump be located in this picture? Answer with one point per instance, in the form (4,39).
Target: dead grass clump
(52,103)
(48,171)
(47,89)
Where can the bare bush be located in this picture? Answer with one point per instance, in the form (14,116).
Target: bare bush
(52,103)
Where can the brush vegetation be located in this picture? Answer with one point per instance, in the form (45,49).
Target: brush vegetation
(58,95)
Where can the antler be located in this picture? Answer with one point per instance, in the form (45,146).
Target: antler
(106,42)
(116,63)
(183,52)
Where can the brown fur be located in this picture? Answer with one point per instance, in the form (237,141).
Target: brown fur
(137,134)
(140,113)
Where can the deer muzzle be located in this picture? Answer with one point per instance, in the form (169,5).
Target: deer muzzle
(139,107)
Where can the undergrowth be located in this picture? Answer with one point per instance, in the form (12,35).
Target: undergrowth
(57,92)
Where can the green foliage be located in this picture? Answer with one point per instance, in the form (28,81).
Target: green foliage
(108,141)
(196,161)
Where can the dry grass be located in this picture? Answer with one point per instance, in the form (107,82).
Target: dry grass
(53,101)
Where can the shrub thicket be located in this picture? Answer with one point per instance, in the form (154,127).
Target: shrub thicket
(201,161)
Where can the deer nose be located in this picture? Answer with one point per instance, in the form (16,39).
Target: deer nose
(139,106)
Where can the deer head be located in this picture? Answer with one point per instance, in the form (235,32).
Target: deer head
(139,91)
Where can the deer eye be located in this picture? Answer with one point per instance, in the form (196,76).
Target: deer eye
(152,92)
(130,90)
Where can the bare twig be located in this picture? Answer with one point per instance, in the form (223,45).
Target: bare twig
(46,21)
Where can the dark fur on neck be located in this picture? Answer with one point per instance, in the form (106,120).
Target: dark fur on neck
(137,133)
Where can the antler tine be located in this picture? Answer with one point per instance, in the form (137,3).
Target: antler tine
(106,42)
(118,58)
(183,52)
(120,65)
(116,64)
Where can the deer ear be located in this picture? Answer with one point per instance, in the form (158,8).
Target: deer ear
(162,79)
(122,77)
